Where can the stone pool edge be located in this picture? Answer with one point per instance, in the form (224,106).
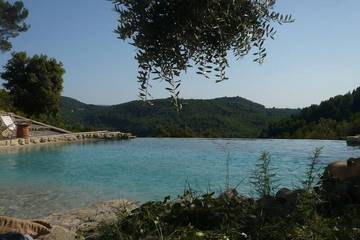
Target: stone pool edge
(64,138)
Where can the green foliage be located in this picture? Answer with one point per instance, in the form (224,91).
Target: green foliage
(222,117)
(6,104)
(12,16)
(190,217)
(313,224)
(34,84)
(227,154)
(210,217)
(172,36)
(332,119)
(230,216)
(313,170)
(263,179)
(5,101)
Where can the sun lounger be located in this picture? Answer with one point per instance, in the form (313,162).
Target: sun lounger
(9,123)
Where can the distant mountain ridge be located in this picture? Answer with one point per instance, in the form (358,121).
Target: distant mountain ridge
(220,117)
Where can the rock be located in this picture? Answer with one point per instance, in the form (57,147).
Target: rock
(353,140)
(61,138)
(343,170)
(29,227)
(340,183)
(43,140)
(341,192)
(71,138)
(124,136)
(283,194)
(289,198)
(268,203)
(59,233)
(85,219)
(109,136)
(229,195)
(21,141)
(13,143)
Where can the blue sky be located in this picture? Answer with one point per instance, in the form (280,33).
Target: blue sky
(310,60)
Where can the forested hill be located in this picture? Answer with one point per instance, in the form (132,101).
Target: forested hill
(221,117)
(332,119)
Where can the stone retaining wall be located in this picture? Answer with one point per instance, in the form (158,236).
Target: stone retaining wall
(353,140)
(65,138)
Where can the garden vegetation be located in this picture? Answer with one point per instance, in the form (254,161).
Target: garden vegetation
(324,210)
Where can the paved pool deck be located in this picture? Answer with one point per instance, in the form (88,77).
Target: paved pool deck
(41,133)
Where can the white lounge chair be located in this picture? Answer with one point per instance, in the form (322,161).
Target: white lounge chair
(10,125)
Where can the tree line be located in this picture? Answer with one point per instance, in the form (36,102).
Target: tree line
(335,118)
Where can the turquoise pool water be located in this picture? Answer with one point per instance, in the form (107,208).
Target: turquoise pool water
(41,180)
